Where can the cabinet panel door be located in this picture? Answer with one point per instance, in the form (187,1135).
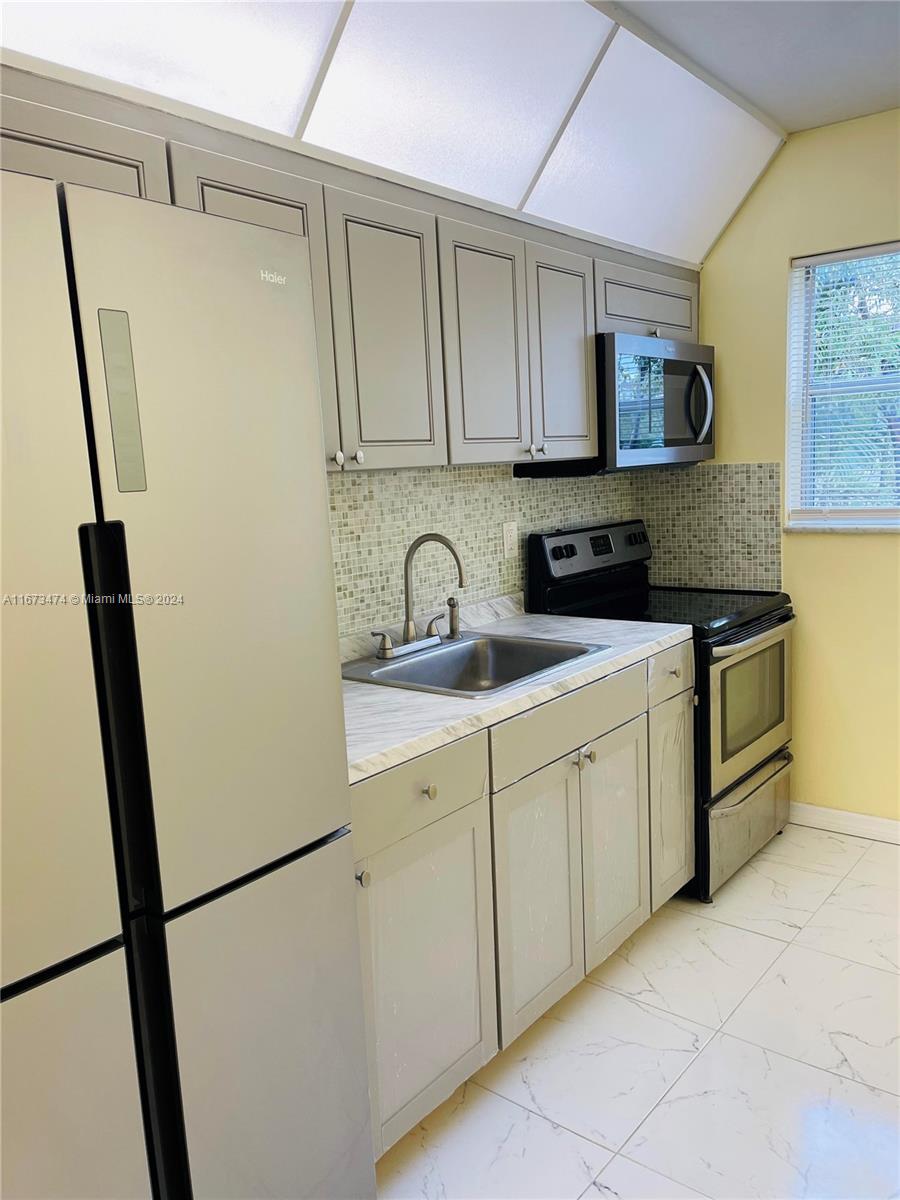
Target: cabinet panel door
(387,332)
(646,303)
(671,796)
(537,864)
(562,352)
(426,923)
(245,191)
(69,148)
(485,337)
(615,840)
(71,1107)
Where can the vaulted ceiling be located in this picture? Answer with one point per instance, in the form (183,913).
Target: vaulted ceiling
(551,107)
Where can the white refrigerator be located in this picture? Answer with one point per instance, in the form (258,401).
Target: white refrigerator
(178,881)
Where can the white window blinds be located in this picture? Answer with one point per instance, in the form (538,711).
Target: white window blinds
(844,390)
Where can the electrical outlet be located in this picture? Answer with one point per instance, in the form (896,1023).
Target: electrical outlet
(510,539)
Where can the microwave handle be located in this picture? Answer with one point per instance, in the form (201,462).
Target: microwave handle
(770,635)
(710,403)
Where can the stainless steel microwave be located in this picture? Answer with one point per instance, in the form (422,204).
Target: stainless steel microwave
(657,401)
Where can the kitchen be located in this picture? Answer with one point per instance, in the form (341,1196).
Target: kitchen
(451,603)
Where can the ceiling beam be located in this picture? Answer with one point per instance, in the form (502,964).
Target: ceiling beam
(336,34)
(634,25)
(570,112)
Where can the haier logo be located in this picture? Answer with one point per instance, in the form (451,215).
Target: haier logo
(272,277)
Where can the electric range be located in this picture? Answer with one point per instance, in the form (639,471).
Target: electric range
(742,659)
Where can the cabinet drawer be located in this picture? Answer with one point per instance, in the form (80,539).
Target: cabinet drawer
(396,803)
(526,743)
(670,672)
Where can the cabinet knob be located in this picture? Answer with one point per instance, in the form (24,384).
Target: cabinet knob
(542,449)
(338,457)
(583,757)
(676,671)
(358,457)
(431,791)
(532,450)
(363,878)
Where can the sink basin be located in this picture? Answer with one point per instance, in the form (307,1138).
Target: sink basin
(475,665)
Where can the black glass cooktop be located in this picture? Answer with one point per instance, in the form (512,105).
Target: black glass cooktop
(711,610)
(708,608)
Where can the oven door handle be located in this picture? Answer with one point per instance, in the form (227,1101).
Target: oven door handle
(710,404)
(770,635)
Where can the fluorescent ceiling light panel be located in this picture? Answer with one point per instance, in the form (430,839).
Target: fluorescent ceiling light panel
(254,62)
(652,157)
(467,95)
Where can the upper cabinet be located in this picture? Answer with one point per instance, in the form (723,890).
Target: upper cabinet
(561,347)
(387,332)
(646,303)
(485,343)
(37,140)
(245,191)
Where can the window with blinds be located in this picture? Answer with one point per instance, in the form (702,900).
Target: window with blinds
(844,390)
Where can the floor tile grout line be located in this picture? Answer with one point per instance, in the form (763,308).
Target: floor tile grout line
(619,1154)
(814,1066)
(543,1116)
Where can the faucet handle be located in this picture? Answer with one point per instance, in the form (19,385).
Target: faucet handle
(385,646)
(432,630)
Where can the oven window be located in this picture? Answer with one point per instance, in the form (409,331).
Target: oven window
(752,699)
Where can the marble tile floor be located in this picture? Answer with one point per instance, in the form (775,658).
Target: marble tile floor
(748,1048)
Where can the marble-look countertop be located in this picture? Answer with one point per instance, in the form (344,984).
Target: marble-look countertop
(387,726)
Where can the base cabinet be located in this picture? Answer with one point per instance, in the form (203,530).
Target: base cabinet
(615,839)
(426,923)
(537,866)
(671,797)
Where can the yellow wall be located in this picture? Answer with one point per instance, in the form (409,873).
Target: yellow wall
(827,189)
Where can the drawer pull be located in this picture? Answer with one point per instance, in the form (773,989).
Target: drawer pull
(676,671)
(363,878)
(431,791)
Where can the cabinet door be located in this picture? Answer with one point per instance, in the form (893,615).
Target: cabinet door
(426,924)
(71,1108)
(562,352)
(671,796)
(230,187)
(485,340)
(387,332)
(37,140)
(537,864)
(615,833)
(643,302)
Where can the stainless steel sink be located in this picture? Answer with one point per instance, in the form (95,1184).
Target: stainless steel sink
(475,665)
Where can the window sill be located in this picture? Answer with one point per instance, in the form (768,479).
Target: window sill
(826,526)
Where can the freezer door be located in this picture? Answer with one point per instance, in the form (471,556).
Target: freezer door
(268,1017)
(200,347)
(59,885)
(71,1110)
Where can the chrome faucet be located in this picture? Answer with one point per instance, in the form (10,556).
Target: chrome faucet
(409,625)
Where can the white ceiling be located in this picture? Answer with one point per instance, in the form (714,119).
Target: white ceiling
(546,106)
(804,62)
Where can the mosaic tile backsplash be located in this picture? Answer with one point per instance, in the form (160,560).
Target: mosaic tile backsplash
(715,525)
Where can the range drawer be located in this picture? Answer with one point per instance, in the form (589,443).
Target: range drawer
(744,820)
(396,803)
(523,744)
(670,672)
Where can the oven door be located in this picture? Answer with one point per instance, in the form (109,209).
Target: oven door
(750,702)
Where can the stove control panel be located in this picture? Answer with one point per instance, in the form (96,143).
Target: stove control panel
(580,551)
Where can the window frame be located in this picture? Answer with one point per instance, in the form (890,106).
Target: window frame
(798,395)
